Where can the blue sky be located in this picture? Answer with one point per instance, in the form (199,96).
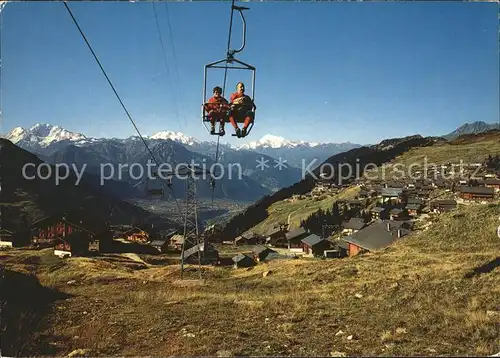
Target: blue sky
(335,72)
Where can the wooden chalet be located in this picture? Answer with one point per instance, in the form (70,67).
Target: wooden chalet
(353,225)
(248,238)
(441,206)
(136,234)
(398,214)
(260,252)
(77,243)
(242,260)
(160,245)
(375,236)
(343,248)
(354,204)
(339,248)
(315,245)
(295,236)
(476,193)
(277,237)
(208,254)
(50,228)
(418,201)
(176,242)
(378,213)
(492,183)
(6,238)
(363,194)
(413,209)
(393,195)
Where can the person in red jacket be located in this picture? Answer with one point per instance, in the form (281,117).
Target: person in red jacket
(241,107)
(217,108)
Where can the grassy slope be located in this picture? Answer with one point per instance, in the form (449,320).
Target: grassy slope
(472,149)
(418,298)
(468,150)
(299,210)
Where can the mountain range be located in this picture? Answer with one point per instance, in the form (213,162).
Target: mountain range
(280,159)
(472,128)
(54,144)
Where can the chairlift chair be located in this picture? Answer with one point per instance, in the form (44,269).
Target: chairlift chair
(230,62)
(154,187)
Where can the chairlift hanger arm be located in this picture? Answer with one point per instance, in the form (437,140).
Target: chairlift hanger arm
(240,10)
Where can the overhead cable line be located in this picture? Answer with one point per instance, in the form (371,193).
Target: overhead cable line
(116,93)
(175,60)
(166,62)
(224,88)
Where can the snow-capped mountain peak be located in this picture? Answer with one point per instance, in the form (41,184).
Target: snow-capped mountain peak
(175,136)
(272,141)
(43,134)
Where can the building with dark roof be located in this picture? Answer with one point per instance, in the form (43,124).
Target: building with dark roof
(375,236)
(160,245)
(315,245)
(277,237)
(295,236)
(77,243)
(248,238)
(413,209)
(6,237)
(415,201)
(398,214)
(354,203)
(208,254)
(260,252)
(392,193)
(378,213)
(339,248)
(242,260)
(353,225)
(440,206)
(57,226)
(476,192)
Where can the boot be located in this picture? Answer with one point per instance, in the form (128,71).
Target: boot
(238,132)
(244,132)
(212,129)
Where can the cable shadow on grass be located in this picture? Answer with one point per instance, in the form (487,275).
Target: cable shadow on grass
(487,267)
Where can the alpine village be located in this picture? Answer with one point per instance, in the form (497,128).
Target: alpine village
(366,263)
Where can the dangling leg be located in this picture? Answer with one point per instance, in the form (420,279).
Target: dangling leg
(235,125)
(248,120)
(222,122)
(220,117)
(212,122)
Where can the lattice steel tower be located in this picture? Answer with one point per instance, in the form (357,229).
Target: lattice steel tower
(192,239)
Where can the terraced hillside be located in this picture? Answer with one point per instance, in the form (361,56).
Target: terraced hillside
(293,212)
(378,154)
(468,149)
(435,292)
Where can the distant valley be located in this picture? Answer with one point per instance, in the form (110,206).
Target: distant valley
(54,144)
